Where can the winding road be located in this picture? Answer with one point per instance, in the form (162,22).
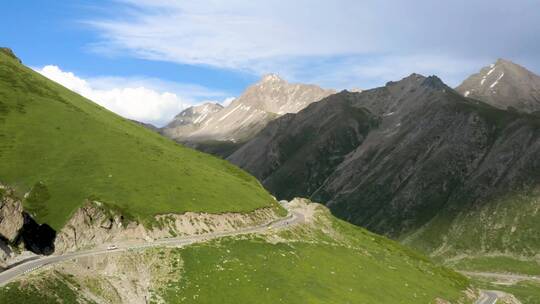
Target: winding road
(488,297)
(491,296)
(31,265)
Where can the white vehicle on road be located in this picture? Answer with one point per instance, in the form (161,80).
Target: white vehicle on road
(112,247)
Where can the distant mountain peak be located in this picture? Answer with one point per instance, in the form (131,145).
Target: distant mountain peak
(434,82)
(502,61)
(271,78)
(504,84)
(195,114)
(412,78)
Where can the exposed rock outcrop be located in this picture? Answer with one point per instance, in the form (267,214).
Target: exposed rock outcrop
(94,224)
(11,222)
(11,215)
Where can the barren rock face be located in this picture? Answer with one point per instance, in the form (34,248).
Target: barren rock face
(11,217)
(11,222)
(504,84)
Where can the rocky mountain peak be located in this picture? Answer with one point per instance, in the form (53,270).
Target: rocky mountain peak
(270,78)
(434,82)
(504,84)
(356,90)
(411,79)
(195,114)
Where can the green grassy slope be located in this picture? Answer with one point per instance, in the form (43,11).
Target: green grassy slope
(324,261)
(33,294)
(255,271)
(79,150)
(508,226)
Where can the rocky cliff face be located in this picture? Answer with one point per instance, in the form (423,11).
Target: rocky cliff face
(19,231)
(11,222)
(419,158)
(206,126)
(504,84)
(11,215)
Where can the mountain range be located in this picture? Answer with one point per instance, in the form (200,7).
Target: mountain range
(414,160)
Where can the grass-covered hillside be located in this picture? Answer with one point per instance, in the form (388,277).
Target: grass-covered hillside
(69,149)
(324,260)
(506,235)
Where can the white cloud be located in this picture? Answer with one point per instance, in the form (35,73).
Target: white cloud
(302,40)
(130,98)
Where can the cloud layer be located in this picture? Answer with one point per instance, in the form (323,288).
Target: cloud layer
(146,100)
(338,43)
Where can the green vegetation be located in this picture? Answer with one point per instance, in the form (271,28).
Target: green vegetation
(37,199)
(328,262)
(219,148)
(508,224)
(44,291)
(72,149)
(497,264)
(255,271)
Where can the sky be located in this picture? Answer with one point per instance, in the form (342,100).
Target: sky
(149,59)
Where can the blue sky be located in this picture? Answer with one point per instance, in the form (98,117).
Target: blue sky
(148,59)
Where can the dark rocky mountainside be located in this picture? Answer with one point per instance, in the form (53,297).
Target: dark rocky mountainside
(504,84)
(411,160)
